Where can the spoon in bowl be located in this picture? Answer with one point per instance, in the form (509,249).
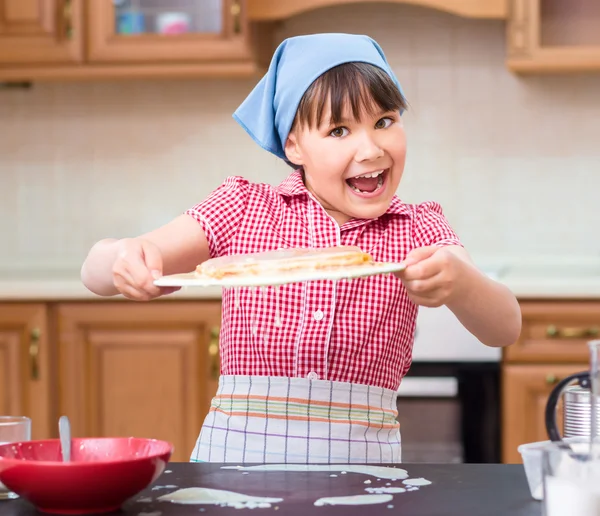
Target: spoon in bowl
(64,432)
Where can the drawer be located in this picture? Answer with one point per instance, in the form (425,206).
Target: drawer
(556,331)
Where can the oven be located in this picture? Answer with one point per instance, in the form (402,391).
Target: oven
(449,402)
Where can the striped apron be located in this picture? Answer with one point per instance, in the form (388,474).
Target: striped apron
(262,419)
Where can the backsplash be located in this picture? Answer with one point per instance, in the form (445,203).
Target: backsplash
(514,161)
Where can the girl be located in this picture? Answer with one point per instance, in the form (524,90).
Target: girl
(318,385)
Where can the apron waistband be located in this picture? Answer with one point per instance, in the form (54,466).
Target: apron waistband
(301,398)
(281,419)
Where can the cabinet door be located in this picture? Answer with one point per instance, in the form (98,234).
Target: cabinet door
(553,36)
(138,369)
(41,32)
(25,382)
(168,31)
(525,390)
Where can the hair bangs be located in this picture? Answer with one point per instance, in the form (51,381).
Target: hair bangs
(350,89)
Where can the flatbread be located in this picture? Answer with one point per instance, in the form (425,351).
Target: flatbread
(283,261)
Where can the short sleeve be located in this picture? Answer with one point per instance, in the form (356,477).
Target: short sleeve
(221,213)
(431,227)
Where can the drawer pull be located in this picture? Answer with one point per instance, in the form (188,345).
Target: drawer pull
(552,379)
(34,352)
(236,12)
(213,352)
(554,332)
(67,17)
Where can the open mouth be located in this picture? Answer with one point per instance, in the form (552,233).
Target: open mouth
(368,184)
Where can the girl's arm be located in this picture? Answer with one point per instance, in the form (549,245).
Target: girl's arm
(437,276)
(130,265)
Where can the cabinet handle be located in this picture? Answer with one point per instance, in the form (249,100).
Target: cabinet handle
(213,352)
(34,351)
(236,13)
(67,18)
(571,333)
(552,379)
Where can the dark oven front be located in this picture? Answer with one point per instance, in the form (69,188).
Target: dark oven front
(450,412)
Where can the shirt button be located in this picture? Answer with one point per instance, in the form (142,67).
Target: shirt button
(318,315)
(312,376)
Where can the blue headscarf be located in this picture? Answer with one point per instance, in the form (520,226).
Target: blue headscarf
(268,112)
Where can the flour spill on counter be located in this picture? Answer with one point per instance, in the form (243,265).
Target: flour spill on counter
(414,482)
(385,490)
(376,495)
(368,499)
(206,496)
(156,488)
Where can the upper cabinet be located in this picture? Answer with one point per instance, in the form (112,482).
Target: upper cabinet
(278,9)
(106,39)
(77,39)
(554,36)
(34,31)
(167,31)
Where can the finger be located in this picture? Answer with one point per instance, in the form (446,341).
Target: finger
(420,253)
(423,270)
(431,297)
(123,279)
(152,258)
(124,284)
(423,287)
(150,289)
(134,294)
(137,270)
(431,302)
(121,276)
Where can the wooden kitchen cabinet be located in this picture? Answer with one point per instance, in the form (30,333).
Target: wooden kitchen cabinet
(138,369)
(34,32)
(553,35)
(552,345)
(556,331)
(525,390)
(106,39)
(145,31)
(25,371)
(277,9)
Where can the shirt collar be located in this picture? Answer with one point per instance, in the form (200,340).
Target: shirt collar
(293,186)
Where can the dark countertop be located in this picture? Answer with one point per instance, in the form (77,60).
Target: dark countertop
(457,489)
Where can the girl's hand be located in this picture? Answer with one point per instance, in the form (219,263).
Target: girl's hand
(431,275)
(139,262)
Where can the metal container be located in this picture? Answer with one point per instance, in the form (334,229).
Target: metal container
(577,412)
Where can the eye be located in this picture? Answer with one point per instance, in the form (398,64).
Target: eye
(338,132)
(384,123)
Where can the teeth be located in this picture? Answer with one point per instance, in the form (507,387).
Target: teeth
(372,174)
(379,185)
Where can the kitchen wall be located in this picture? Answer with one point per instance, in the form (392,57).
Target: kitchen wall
(514,161)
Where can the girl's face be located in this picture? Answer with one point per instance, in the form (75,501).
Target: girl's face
(353,169)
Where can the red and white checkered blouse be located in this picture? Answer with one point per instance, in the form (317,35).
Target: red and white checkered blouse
(359,330)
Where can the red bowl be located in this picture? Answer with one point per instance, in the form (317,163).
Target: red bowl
(102,474)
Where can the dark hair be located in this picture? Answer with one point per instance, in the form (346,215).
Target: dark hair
(361,86)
